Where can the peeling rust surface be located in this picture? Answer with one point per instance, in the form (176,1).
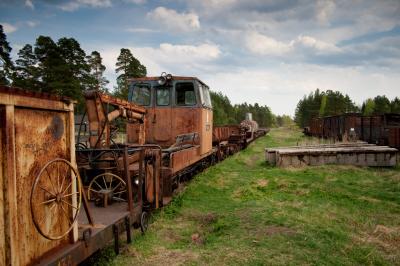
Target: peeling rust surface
(48,143)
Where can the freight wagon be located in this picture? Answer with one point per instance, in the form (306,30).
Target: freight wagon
(376,129)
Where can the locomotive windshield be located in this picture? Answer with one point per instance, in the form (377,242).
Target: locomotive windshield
(141,94)
(205,95)
(163,96)
(185,95)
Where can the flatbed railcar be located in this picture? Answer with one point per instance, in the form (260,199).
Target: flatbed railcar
(85,192)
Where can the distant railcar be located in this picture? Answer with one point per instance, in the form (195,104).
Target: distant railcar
(376,129)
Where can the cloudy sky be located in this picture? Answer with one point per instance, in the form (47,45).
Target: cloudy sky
(270,52)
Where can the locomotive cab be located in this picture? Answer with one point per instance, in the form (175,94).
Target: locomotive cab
(178,109)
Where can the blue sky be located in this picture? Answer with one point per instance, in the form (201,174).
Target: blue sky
(270,52)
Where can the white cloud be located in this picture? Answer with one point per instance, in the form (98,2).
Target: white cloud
(174,20)
(324,11)
(138,2)
(76,4)
(29,3)
(141,30)
(319,46)
(203,52)
(8,28)
(174,59)
(264,45)
(32,24)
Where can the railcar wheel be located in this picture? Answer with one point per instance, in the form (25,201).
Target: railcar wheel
(144,221)
(55,199)
(107,182)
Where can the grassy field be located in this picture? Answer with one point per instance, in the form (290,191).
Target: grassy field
(245,212)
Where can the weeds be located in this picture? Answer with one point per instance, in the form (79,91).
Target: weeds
(245,212)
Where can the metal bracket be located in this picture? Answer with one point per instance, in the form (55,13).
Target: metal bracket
(116,238)
(128,229)
(86,236)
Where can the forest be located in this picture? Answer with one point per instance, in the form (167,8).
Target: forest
(328,103)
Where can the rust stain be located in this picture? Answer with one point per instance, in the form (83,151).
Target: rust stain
(56,128)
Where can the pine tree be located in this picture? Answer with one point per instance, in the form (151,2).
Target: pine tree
(395,106)
(26,73)
(6,65)
(75,65)
(368,107)
(97,70)
(127,67)
(51,66)
(382,104)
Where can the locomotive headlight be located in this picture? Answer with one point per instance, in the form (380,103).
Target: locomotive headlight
(161,81)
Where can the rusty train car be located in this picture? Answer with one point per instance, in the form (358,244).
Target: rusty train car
(77,191)
(377,129)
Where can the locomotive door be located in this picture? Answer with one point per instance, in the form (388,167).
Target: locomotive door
(161,121)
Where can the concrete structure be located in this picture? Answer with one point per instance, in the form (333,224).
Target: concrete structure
(360,154)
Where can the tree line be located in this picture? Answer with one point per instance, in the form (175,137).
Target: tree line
(329,103)
(63,68)
(225,113)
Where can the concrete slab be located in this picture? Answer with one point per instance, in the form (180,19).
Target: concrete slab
(360,154)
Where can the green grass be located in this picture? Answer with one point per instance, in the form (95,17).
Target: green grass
(245,212)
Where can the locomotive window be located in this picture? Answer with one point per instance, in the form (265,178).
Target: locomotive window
(205,93)
(185,95)
(162,96)
(141,95)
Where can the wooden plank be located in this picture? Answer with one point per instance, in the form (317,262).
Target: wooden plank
(11,206)
(36,103)
(2,180)
(70,138)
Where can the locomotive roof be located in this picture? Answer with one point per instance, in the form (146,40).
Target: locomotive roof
(173,77)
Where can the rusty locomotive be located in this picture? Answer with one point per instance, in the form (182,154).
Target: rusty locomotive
(376,129)
(75,191)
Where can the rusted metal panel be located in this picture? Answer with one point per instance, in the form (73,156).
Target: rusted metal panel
(351,125)
(316,127)
(221,133)
(183,158)
(161,126)
(206,131)
(392,120)
(51,141)
(30,137)
(394,137)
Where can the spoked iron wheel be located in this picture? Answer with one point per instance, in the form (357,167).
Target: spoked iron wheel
(55,199)
(144,221)
(108,182)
